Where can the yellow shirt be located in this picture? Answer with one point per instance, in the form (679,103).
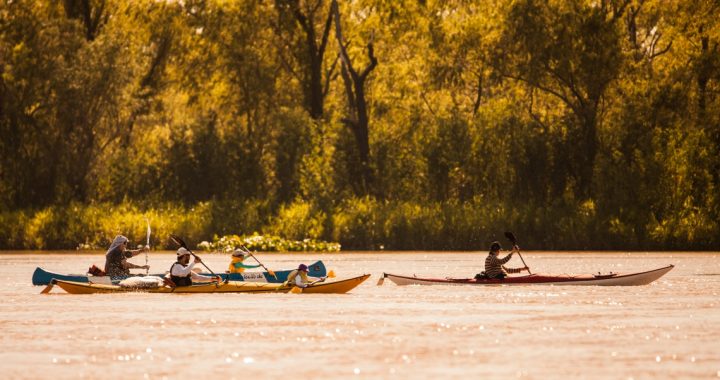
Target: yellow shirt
(237,266)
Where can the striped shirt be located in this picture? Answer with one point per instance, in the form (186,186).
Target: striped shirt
(494,266)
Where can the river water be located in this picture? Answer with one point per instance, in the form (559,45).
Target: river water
(669,329)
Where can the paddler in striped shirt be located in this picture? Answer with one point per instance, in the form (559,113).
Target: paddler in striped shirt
(494,267)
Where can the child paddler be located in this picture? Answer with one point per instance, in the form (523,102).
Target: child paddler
(299,277)
(237,265)
(494,266)
(181,272)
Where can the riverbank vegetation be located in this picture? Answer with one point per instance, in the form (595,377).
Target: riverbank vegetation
(378,125)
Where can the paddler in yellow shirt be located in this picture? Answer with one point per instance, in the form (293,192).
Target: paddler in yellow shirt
(237,265)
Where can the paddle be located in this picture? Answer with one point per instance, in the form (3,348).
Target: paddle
(381,280)
(181,243)
(258,261)
(512,238)
(298,290)
(49,287)
(147,246)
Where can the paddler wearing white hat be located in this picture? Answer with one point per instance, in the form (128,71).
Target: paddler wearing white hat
(181,272)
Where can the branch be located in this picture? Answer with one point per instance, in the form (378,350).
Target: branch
(348,87)
(543,88)
(338,34)
(303,21)
(427,104)
(373,62)
(326,33)
(618,12)
(569,83)
(661,52)
(98,14)
(329,75)
(530,110)
(316,6)
(478,99)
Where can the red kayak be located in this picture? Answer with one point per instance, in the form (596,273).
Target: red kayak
(611,279)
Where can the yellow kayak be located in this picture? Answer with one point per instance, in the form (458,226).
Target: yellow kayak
(340,286)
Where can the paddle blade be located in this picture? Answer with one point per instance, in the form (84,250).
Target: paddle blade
(331,274)
(48,288)
(381,281)
(176,239)
(272,273)
(511,237)
(296,290)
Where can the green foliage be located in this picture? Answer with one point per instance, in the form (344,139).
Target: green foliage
(95,226)
(267,243)
(358,224)
(577,124)
(297,221)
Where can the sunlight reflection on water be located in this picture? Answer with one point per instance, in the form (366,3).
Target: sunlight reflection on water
(665,330)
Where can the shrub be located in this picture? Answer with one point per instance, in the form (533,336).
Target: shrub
(297,221)
(267,243)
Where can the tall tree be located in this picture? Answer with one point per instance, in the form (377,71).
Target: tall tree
(357,119)
(308,49)
(570,51)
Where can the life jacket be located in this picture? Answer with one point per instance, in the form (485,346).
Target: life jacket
(232,268)
(291,277)
(180,281)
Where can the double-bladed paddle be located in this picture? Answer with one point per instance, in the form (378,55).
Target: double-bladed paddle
(511,237)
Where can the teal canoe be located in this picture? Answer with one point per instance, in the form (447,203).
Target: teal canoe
(43,277)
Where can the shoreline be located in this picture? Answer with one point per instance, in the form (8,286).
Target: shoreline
(383,252)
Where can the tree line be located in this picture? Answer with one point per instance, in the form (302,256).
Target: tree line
(408,124)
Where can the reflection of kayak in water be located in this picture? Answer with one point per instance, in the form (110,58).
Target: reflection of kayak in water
(612,279)
(43,277)
(340,286)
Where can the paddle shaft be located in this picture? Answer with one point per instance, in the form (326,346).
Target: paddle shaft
(258,261)
(512,239)
(49,287)
(202,262)
(523,261)
(147,245)
(181,243)
(297,290)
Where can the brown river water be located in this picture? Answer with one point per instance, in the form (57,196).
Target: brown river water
(669,329)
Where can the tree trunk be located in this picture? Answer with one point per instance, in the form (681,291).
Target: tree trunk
(314,56)
(92,17)
(357,121)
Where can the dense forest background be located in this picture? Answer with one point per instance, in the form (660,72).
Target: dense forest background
(380,124)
